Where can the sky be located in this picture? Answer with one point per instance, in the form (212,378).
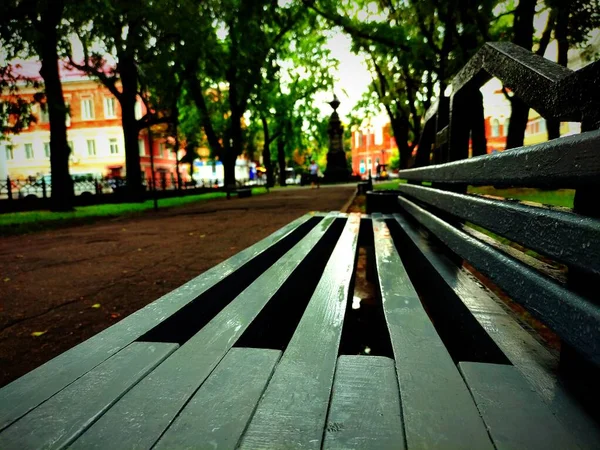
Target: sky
(352,77)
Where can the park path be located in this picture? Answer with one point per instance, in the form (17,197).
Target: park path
(60,287)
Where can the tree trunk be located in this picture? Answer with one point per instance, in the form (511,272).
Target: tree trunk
(523,28)
(561,34)
(235,149)
(401,130)
(62,185)
(266,153)
(281,160)
(478,140)
(131,129)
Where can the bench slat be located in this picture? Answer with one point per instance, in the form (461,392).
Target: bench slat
(61,419)
(437,407)
(365,405)
(571,316)
(566,162)
(531,358)
(27,392)
(515,416)
(218,413)
(293,410)
(141,416)
(566,237)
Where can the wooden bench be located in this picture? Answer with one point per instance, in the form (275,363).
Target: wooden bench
(281,347)
(241,191)
(251,355)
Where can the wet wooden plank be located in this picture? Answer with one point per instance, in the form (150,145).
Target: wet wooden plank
(60,420)
(218,413)
(566,162)
(563,236)
(25,393)
(571,316)
(293,409)
(532,359)
(364,412)
(144,413)
(437,407)
(514,414)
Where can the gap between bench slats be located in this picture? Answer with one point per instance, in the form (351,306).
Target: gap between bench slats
(61,419)
(293,410)
(563,236)
(437,408)
(219,411)
(364,412)
(27,392)
(141,416)
(571,316)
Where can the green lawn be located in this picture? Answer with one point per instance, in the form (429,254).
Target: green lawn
(384,185)
(560,197)
(24,222)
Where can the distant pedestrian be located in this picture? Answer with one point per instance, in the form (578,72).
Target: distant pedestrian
(314,174)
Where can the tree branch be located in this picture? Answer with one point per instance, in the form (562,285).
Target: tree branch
(344,23)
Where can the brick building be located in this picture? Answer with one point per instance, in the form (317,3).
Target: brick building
(371,146)
(94,133)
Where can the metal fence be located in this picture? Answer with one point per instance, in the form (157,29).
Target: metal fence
(41,187)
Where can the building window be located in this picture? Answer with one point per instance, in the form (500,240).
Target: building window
(87,108)
(110,108)
(114,146)
(28,151)
(362,166)
(506,124)
(161,150)
(71,145)
(68,115)
(47,149)
(44,116)
(357,138)
(10,153)
(142,147)
(543,128)
(495,128)
(138,110)
(91,147)
(378,136)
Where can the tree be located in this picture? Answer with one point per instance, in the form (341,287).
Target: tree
(134,36)
(414,49)
(36,28)
(284,101)
(523,36)
(225,64)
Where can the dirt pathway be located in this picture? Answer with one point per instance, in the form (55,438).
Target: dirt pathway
(60,287)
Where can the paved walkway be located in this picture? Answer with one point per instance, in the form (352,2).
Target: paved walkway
(70,284)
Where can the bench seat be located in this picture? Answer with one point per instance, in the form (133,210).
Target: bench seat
(251,355)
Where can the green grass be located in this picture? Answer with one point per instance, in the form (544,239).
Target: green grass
(560,197)
(25,222)
(385,185)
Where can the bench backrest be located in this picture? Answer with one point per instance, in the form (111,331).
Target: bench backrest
(567,302)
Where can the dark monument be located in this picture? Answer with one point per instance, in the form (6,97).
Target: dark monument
(337,168)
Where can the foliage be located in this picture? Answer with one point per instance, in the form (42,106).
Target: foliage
(284,103)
